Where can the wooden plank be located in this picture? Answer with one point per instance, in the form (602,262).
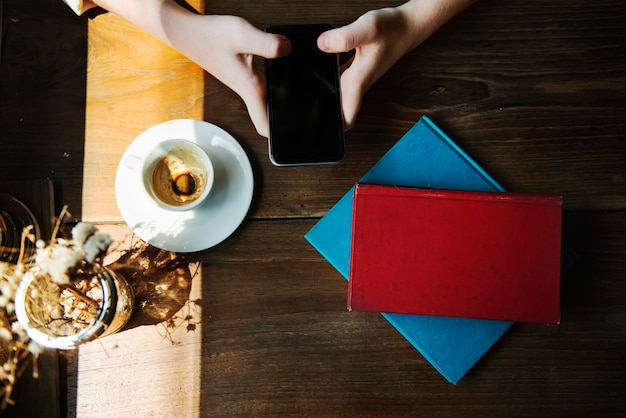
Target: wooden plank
(42,109)
(37,395)
(154,84)
(489,78)
(275,337)
(533,91)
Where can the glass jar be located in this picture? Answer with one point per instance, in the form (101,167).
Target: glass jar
(64,317)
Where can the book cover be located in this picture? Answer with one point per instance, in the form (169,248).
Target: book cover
(424,157)
(485,255)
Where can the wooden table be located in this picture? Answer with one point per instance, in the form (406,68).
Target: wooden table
(534,91)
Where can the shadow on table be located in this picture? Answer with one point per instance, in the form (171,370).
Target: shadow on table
(43,95)
(43,72)
(161,282)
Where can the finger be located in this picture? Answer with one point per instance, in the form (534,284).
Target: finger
(259,120)
(346,38)
(258,114)
(276,46)
(352,92)
(255,100)
(266,45)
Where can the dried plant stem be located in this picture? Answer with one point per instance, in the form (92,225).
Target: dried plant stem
(57,224)
(20,259)
(80,295)
(19,356)
(36,366)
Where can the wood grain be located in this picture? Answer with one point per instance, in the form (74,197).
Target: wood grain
(275,338)
(535,92)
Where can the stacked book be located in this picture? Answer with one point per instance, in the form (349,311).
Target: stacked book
(436,245)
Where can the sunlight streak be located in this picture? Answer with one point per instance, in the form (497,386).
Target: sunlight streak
(151,370)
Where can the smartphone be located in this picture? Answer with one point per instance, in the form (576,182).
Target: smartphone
(303,101)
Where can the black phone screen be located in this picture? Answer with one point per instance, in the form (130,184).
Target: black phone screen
(303,101)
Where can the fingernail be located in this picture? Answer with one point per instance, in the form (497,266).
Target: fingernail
(322,41)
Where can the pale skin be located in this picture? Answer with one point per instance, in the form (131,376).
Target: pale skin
(225,46)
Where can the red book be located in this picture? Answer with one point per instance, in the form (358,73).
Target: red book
(456,253)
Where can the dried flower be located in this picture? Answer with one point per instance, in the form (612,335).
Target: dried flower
(68,297)
(65,262)
(13,338)
(56,260)
(95,246)
(62,256)
(82,231)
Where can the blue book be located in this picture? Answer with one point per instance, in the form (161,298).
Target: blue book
(423,157)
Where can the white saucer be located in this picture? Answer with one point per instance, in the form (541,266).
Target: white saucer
(204,226)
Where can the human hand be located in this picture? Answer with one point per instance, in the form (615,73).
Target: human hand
(379,38)
(225,46)
(375,38)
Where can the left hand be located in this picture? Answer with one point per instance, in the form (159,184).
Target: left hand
(379,38)
(377,41)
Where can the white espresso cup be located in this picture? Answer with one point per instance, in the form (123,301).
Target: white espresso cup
(177,174)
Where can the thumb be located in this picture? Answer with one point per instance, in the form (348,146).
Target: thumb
(345,38)
(269,45)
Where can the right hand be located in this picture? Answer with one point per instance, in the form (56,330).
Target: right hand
(225,46)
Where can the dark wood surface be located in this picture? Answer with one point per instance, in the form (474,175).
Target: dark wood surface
(534,91)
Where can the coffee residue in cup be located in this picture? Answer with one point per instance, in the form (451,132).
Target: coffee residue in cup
(184,184)
(174,187)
